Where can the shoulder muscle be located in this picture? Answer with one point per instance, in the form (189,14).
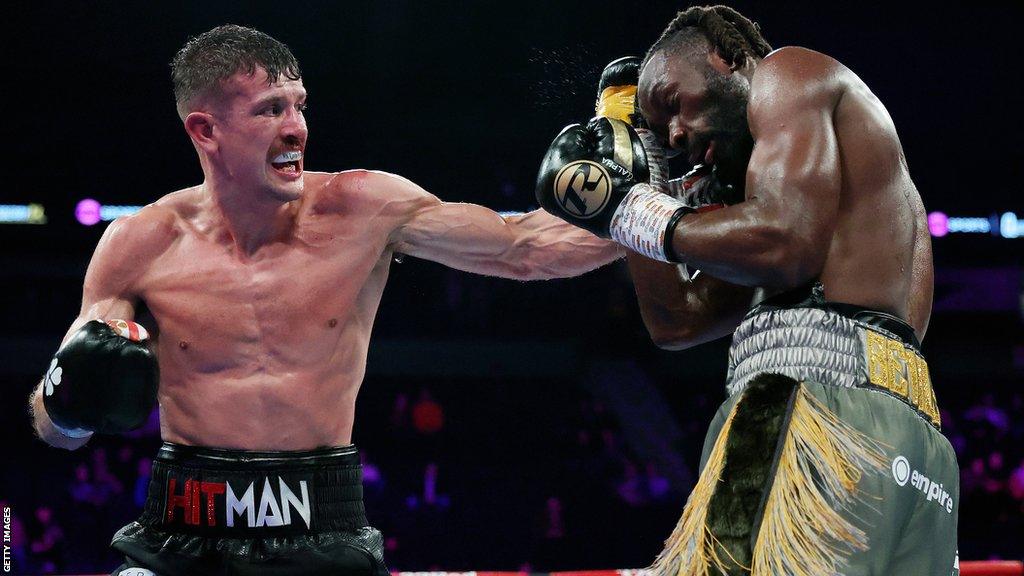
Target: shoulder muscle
(127,247)
(791,81)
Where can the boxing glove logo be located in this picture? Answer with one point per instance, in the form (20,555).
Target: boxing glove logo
(582,188)
(53,377)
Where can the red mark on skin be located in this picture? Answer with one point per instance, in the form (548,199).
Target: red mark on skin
(183,345)
(332,322)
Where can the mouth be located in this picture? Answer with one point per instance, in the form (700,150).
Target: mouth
(705,156)
(709,154)
(288,164)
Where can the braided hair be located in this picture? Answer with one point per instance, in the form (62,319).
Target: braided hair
(732,35)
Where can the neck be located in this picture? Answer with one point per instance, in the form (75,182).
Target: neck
(247,221)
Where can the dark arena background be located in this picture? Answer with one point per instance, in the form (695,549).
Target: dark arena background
(505,425)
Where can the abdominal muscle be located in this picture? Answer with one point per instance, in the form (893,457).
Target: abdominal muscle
(268,353)
(300,411)
(271,389)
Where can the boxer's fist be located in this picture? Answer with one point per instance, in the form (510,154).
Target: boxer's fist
(588,170)
(616,98)
(103,380)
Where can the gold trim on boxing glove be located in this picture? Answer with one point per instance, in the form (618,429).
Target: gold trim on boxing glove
(617,102)
(623,151)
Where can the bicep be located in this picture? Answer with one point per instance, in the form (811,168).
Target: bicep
(794,171)
(107,291)
(455,234)
(793,183)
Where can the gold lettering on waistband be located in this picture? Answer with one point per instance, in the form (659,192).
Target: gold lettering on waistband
(900,370)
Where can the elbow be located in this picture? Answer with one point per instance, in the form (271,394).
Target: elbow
(525,264)
(672,344)
(674,338)
(790,261)
(525,271)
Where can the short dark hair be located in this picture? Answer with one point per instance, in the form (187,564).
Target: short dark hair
(732,35)
(213,56)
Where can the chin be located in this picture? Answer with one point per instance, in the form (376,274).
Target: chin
(286,191)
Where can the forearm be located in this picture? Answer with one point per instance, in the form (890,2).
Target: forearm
(678,313)
(745,244)
(45,429)
(546,247)
(532,246)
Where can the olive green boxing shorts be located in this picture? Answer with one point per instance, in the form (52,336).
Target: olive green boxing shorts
(803,478)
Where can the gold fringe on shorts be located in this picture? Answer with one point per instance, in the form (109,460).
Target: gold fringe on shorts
(802,532)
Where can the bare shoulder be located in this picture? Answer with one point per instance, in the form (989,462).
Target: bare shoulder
(148,232)
(365,190)
(793,78)
(129,245)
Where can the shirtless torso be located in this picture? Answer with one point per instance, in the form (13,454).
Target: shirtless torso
(828,197)
(268,350)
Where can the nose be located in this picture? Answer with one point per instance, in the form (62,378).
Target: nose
(677,135)
(293,130)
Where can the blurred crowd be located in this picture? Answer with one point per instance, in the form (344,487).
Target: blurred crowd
(575,495)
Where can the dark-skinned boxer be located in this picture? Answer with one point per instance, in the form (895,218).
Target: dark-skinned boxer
(827,456)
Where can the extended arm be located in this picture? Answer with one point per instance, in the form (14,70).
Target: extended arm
(531,246)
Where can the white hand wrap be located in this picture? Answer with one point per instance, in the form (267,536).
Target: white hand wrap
(640,220)
(73,432)
(656,163)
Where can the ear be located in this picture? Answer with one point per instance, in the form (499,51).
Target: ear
(724,67)
(199,126)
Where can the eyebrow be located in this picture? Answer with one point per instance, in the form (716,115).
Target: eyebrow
(276,98)
(654,91)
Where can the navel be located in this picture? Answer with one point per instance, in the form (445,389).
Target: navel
(183,344)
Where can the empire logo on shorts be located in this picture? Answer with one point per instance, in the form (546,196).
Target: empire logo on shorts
(902,473)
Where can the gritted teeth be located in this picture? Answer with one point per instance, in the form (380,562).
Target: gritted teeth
(292,156)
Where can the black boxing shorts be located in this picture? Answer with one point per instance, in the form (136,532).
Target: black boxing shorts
(216,511)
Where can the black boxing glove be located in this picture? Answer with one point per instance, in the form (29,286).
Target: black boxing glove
(104,379)
(616,98)
(595,177)
(616,90)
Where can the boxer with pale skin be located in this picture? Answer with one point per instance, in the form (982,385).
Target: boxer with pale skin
(263,283)
(264,280)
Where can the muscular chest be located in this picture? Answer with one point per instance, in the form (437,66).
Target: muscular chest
(289,302)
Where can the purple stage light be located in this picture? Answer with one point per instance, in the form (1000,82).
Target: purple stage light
(938,224)
(87,212)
